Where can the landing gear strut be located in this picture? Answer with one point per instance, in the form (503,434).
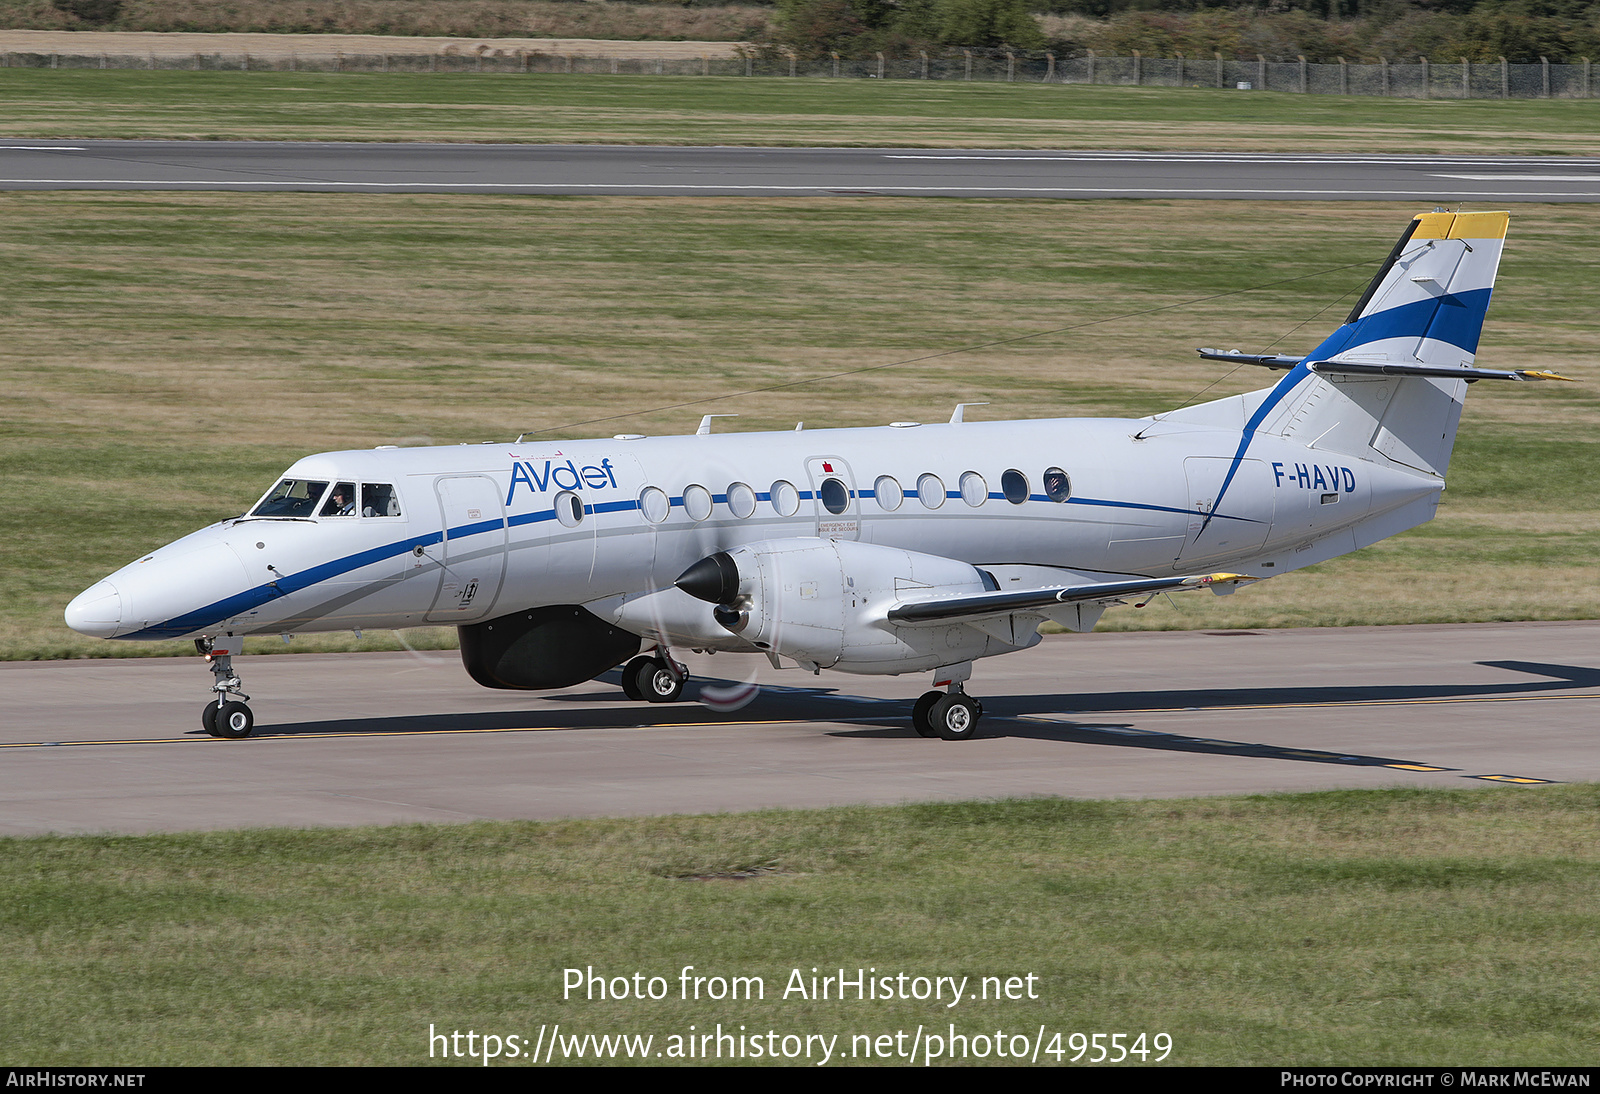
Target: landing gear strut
(226,715)
(951,714)
(654,679)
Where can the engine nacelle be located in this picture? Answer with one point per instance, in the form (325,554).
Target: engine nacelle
(551,647)
(824,604)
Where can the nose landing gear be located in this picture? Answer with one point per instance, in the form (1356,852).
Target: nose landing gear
(225,716)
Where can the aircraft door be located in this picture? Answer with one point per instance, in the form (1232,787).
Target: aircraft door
(834,498)
(473,554)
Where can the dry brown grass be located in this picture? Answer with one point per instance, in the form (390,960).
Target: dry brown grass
(428,18)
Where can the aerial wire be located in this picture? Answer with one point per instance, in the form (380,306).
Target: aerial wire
(1332,303)
(966,349)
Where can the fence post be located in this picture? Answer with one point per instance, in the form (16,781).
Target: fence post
(1344,77)
(705,65)
(1586,77)
(791,65)
(478,67)
(1261,66)
(968,54)
(1505,79)
(569,63)
(103,60)
(749,65)
(1091,66)
(1383,62)
(614,68)
(1138,75)
(924,55)
(1011,66)
(1544,63)
(522,55)
(1218,56)
(880,66)
(835,64)
(1302,74)
(1180,70)
(1466,78)
(246,65)
(1424,61)
(294,61)
(659,64)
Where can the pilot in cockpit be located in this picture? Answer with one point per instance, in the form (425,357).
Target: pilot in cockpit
(341,501)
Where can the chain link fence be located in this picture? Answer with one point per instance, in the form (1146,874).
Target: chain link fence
(1416,80)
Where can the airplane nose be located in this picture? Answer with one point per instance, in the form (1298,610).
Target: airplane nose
(96,611)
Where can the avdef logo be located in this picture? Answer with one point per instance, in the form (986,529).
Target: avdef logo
(563,476)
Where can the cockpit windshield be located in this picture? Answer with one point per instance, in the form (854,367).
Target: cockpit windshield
(291,498)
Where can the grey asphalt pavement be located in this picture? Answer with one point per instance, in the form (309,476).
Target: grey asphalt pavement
(347,739)
(681,171)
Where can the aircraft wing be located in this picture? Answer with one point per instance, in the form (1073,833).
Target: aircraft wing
(982,605)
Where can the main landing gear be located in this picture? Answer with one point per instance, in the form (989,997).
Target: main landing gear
(226,715)
(951,714)
(655,678)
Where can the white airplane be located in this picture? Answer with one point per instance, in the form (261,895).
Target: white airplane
(905,548)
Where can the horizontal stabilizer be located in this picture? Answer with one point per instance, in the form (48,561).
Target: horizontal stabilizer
(1265,360)
(981,605)
(1364,368)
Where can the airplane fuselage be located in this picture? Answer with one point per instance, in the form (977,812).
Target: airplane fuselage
(485,530)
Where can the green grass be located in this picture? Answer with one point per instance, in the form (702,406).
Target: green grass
(1351,927)
(82,103)
(167,355)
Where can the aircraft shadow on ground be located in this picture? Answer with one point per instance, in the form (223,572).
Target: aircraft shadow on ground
(1062,717)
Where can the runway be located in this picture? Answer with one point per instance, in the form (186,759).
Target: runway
(243,166)
(349,739)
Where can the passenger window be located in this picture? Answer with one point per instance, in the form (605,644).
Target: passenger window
(569,508)
(785,498)
(974,491)
(930,491)
(1014,485)
(741,500)
(1057,484)
(697,502)
(888,492)
(835,496)
(654,504)
(341,501)
(378,500)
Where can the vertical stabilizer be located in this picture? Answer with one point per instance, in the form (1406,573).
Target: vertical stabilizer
(1425,306)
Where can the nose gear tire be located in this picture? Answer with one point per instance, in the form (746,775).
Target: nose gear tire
(234,720)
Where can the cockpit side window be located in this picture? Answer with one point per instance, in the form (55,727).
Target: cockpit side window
(291,498)
(341,501)
(378,499)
